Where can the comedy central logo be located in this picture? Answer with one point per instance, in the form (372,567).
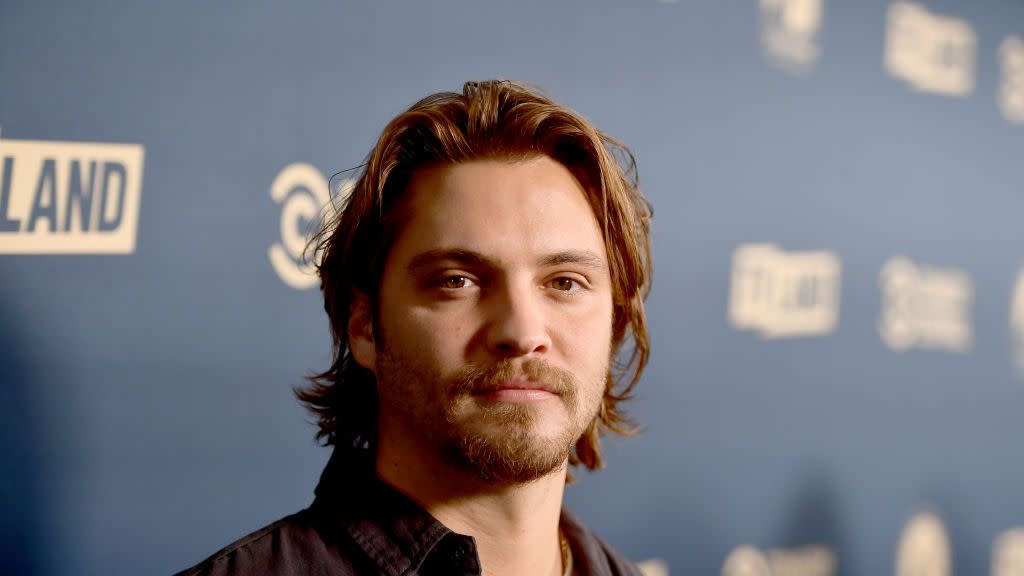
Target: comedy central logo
(69,197)
(304,194)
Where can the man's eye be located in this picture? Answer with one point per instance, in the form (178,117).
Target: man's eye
(563,284)
(454,282)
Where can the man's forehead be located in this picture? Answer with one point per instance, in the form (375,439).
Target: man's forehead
(533,206)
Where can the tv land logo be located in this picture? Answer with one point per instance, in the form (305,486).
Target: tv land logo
(69,197)
(784,294)
(925,307)
(789,32)
(303,193)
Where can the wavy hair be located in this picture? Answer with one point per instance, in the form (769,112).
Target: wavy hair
(488,120)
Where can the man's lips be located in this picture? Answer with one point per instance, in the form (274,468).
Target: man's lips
(517,384)
(518,390)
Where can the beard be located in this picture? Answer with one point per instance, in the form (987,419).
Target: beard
(500,442)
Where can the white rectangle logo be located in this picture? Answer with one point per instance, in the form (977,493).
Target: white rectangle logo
(932,53)
(925,307)
(784,294)
(69,197)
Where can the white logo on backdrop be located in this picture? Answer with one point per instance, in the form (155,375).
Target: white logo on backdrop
(1017,323)
(69,197)
(1008,553)
(804,561)
(1011,79)
(784,294)
(925,307)
(931,52)
(746,561)
(789,32)
(653,567)
(924,548)
(303,193)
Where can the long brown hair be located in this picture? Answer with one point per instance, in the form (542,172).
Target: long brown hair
(491,119)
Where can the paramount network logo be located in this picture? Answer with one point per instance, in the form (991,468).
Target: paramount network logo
(303,193)
(69,197)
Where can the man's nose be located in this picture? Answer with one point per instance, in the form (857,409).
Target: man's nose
(518,324)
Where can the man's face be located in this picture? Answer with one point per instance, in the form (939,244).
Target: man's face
(493,338)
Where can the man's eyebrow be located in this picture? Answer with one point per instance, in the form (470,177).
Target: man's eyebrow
(430,258)
(582,257)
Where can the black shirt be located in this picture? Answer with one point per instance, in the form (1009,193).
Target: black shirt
(360,525)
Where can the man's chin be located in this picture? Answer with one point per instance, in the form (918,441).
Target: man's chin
(523,428)
(512,453)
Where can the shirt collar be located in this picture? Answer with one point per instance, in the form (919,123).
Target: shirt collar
(399,535)
(393,530)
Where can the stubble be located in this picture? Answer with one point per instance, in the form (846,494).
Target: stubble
(499,442)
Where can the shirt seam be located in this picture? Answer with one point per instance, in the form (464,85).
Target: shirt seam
(241,544)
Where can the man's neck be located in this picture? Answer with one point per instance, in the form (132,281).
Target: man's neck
(515,526)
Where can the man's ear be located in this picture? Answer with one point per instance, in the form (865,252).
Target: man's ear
(360,331)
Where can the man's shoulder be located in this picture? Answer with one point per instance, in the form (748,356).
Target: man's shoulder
(295,544)
(591,554)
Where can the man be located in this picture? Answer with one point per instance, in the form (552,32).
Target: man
(485,271)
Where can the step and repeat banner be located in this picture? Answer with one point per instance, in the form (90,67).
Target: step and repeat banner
(837,379)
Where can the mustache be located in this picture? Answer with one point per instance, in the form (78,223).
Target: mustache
(478,379)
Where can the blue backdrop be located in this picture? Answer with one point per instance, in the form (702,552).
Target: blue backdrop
(837,379)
